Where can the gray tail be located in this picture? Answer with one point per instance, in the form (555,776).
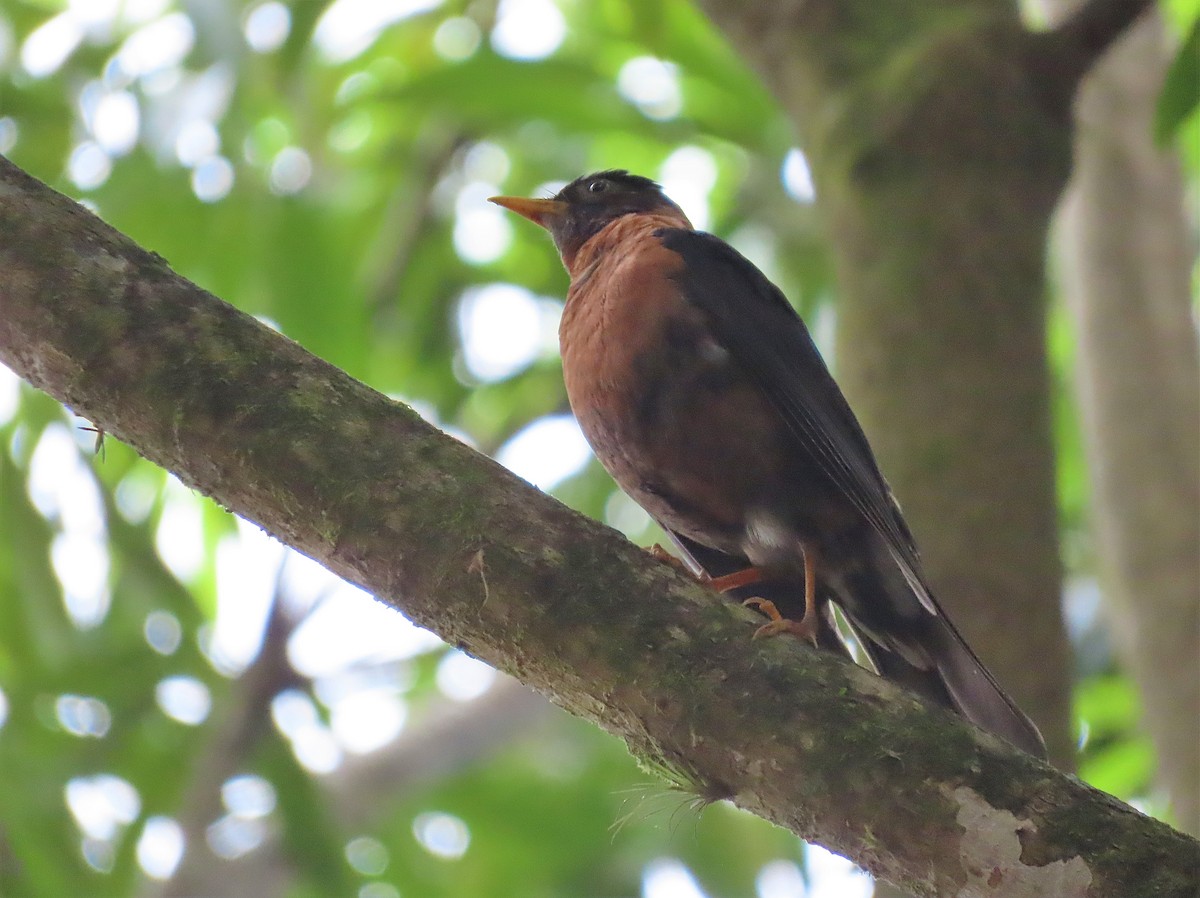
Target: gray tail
(976,694)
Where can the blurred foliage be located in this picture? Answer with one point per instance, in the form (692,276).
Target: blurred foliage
(1181,92)
(1178,112)
(329,176)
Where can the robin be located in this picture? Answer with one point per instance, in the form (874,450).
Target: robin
(703,395)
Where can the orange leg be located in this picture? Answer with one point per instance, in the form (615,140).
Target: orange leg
(809,626)
(738,578)
(723,583)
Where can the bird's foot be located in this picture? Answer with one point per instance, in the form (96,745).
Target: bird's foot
(805,629)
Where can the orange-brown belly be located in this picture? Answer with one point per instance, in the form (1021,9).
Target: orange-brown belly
(666,409)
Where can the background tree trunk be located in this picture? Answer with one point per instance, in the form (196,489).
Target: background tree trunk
(1126,270)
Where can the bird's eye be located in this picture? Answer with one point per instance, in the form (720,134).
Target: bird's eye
(598,187)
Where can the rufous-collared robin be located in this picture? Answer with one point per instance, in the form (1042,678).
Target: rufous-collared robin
(702,393)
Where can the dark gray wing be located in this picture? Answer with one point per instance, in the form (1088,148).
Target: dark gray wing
(753,320)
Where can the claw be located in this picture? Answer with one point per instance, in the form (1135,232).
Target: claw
(658,553)
(805,629)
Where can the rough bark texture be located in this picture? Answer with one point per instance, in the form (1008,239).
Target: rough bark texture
(1127,258)
(362,485)
(939,138)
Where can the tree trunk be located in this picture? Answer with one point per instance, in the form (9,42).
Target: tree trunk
(1127,260)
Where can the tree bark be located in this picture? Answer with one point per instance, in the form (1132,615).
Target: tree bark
(363,486)
(1126,267)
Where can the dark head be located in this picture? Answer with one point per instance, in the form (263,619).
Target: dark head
(582,208)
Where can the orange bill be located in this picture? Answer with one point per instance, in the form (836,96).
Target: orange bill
(540,212)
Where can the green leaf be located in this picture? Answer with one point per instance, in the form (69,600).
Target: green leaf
(1181,90)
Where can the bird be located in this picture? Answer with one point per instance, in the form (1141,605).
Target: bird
(702,393)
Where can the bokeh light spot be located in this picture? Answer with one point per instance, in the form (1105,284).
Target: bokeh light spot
(367,719)
(160,847)
(500,329)
(348,27)
(10,394)
(546,452)
(291,170)
(528,29)
(669,878)
(48,46)
(832,876)
(157,46)
(9,132)
(442,835)
(267,26)
(80,562)
(102,804)
(163,632)
(367,856)
(115,122)
(212,179)
(463,678)
(197,140)
(183,698)
(482,232)
(378,890)
(456,39)
(248,797)
(780,879)
(296,717)
(82,715)
(688,176)
(797,177)
(626,515)
(99,854)
(652,85)
(232,837)
(179,538)
(89,166)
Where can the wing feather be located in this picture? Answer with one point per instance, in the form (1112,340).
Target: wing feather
(769,341)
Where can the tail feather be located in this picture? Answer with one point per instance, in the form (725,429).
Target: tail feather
(975,693)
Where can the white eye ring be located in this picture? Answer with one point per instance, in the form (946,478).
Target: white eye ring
(598,186)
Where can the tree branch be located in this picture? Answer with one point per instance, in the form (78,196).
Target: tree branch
(362,485)
(1095,26)
(1066,53)
(1126,256)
